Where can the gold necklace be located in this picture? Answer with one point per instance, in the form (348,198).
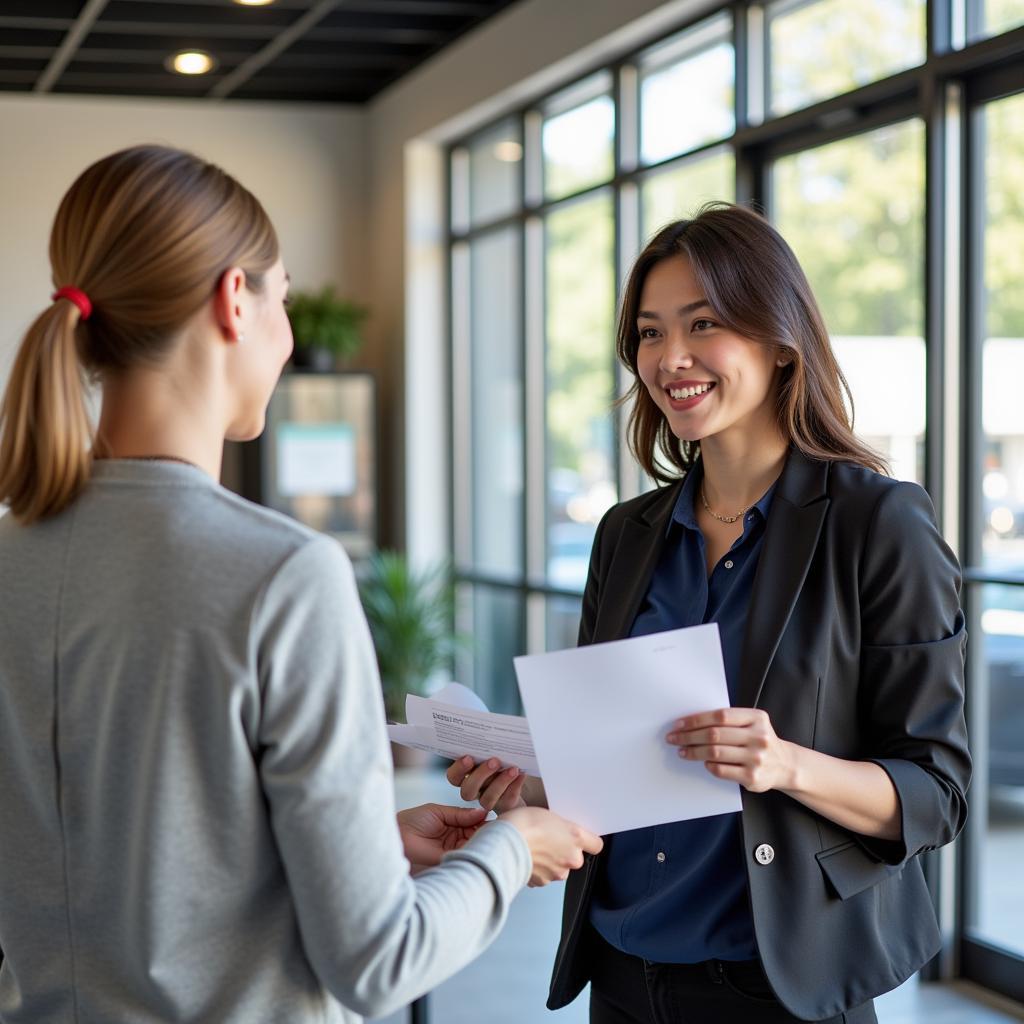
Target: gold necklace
(722,519)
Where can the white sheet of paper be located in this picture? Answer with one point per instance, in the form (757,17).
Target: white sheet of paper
(455,721)
(599,716)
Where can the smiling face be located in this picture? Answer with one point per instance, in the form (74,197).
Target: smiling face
(707,380)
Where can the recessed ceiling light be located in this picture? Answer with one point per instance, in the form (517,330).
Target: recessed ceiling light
(191,62)
(508,151)
(254,3)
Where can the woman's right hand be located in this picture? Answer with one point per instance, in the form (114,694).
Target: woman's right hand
(556,845)
(487,784)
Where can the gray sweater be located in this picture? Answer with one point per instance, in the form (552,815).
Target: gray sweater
(196,806)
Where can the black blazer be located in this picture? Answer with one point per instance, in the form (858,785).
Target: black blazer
(854,646)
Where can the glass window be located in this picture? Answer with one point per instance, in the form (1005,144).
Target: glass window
(496,400)
(678,191)
(580,289)
(494,639)
(563,623)
(578,147)
(998,907)
(853,212)
(827,47)
(1002,484)
(495,158)
(695,73)
(992,17)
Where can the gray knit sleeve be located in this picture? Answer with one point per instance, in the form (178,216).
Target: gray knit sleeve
(375,937)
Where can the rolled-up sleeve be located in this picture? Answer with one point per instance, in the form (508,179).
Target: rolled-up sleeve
(912,671)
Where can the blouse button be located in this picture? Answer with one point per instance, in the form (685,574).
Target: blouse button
(729,564)
(661,857)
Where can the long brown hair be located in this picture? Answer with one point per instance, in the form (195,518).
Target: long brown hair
(146,233)
(752,280)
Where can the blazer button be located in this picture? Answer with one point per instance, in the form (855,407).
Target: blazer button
(764,854)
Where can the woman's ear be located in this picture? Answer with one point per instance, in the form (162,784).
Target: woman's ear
(228,304)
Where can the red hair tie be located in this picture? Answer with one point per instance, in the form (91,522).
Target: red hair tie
(77,296)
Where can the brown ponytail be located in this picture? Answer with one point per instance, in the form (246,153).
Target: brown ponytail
(147,234)
(45,432)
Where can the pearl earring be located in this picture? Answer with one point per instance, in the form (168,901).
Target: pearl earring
(240,337)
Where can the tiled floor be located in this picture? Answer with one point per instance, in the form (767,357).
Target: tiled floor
(508,983)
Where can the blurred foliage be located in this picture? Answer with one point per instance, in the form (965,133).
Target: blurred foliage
(830,47)
(679,192)
(580,289)
(579,147)
(1004,217)
(322,320)
(410,613)
(1001,15)
(853,212)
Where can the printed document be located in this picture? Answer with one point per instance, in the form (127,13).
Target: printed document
(455,721)
(599,716)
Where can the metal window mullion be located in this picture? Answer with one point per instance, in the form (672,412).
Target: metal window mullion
(752,57)
(953,114)
(940,27)
(462,415)
(629,240)
(535,384)
(627,120)
(536,622)
(972,329)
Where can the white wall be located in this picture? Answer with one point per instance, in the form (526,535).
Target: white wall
(305,162)
(532,47)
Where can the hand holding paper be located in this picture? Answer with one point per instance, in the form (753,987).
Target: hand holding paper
(599,717)
(455,721)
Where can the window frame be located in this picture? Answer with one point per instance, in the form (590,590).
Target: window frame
(947,92)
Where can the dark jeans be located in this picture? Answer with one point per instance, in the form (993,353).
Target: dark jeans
(627,990)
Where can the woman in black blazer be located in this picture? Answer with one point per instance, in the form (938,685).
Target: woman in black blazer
(843,639)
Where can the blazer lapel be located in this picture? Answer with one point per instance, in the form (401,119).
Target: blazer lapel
(791,537)
(636,554)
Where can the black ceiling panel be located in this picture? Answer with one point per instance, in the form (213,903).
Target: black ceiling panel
(342,51)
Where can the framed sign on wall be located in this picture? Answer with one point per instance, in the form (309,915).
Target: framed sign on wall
(316,460)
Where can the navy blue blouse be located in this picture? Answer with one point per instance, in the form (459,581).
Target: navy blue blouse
(677,893)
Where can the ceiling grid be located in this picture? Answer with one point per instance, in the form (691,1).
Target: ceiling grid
(340,51)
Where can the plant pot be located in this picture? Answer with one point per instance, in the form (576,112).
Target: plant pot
(319,360)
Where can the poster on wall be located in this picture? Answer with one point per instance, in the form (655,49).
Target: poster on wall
(317,455)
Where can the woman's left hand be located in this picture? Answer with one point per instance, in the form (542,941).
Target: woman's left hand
(432,830)
(738,744)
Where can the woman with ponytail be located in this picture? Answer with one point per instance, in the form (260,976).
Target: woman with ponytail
(196,802)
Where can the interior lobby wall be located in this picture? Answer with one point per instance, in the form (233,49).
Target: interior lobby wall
(305,162)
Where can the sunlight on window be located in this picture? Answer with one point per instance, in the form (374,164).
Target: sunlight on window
(578,147)
(853,212)
(687,104)
(680,190)
(828,47)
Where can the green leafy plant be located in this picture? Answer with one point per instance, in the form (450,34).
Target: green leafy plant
(320,320)
(410,613)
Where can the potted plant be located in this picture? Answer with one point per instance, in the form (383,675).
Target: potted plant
(326,328)
(410,614)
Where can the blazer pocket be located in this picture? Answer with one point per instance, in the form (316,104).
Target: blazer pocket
(849,869)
